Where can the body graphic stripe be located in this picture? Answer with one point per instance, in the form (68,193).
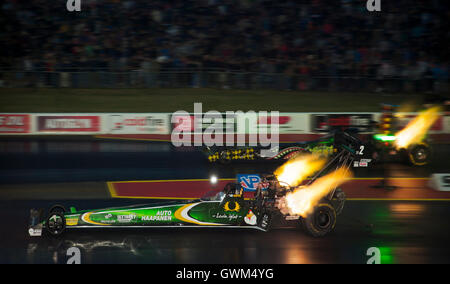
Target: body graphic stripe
(86,217)
(183,215)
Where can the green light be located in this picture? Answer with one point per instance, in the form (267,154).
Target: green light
(384,138)
(386,255)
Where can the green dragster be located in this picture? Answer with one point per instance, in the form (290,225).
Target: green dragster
(215,209)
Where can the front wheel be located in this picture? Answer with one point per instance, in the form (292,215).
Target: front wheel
(321,221)
(419,154)
(55,224)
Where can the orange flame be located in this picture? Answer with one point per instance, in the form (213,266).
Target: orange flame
(294,171)
(303,199)
(416,129)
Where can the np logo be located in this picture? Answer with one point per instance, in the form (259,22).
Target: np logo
(234,206)
(248,182)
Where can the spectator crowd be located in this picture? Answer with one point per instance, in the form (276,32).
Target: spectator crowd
(311,37)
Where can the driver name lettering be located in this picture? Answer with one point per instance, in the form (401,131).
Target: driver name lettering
(225,216)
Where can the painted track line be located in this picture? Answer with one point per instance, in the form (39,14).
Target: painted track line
(358,189)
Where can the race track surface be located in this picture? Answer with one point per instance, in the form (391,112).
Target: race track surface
(40,173)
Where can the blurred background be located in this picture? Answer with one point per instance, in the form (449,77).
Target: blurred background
(325,45)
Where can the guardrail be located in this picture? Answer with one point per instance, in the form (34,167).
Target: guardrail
(219,79)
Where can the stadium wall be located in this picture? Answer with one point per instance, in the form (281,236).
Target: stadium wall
(159,126)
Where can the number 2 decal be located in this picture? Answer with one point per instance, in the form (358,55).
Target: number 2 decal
(361,149)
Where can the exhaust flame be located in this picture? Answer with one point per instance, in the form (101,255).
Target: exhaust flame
(416,128)
(294,171)
(303,199)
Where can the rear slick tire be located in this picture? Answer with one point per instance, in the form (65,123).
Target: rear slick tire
(419,154)
(321,221)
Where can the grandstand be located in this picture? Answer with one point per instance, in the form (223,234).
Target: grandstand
(324,45)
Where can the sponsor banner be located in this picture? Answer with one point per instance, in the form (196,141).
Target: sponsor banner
(299,123)
(160,124)
(189,124)
(328,122)
(288,123)
(149,123)
(15,123)
(69,123)
(241,123)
